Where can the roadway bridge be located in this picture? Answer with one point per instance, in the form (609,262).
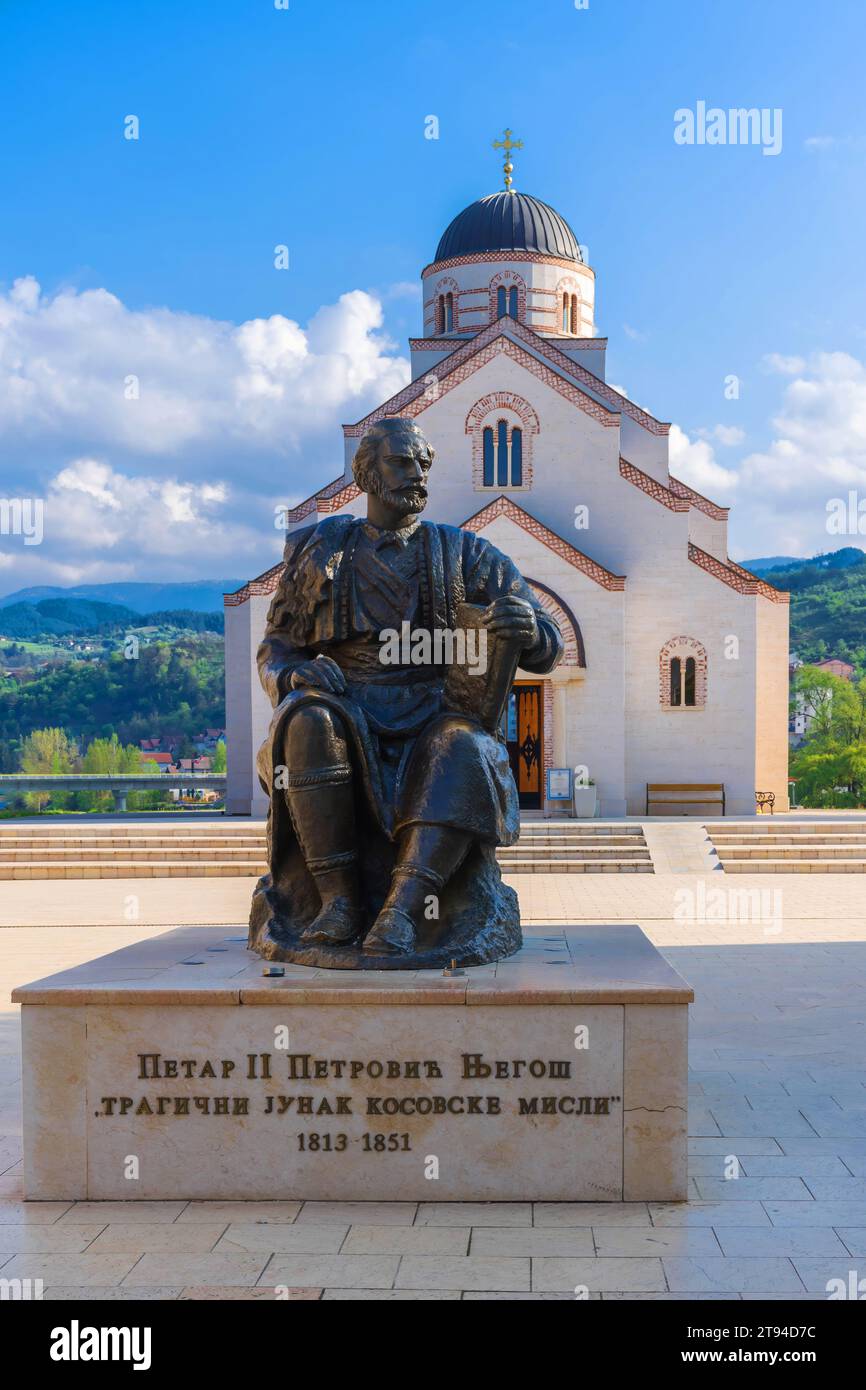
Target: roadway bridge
(120,784)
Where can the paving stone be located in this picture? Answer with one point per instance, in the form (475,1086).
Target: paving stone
(710,1214)
(779,1240)
(360,1213)
(282,1237)
(81,1269)
(815,1213)
(597,1274)
(818,1274)
(744,1189)
(407,1240)
(144,1237)
(470,1272)
(657,1240)
(211,1213)
(52,1239)
(393,1295)
(533,1240)
(198,1269)
(696,1274)
(333,1271)
(474,1214)
(591,1214)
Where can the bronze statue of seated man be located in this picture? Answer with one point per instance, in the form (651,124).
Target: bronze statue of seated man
(387,801)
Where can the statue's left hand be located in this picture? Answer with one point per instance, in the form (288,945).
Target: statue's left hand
(512,617)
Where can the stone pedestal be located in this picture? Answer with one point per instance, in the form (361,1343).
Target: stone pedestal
(174,1069)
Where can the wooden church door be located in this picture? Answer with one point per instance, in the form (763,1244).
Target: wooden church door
(523,737)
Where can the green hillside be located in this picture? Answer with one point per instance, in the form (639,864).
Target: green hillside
(828,605)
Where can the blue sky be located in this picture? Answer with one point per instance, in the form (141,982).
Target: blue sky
(305,126)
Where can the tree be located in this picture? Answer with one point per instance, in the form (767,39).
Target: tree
(49,752)
(219,757)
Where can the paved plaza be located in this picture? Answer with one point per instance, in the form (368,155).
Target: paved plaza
(777,1119)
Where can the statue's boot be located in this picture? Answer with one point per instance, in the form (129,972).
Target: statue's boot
(427,857)
(394,931)
(321,804)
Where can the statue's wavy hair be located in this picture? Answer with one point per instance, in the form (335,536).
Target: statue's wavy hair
(368,449)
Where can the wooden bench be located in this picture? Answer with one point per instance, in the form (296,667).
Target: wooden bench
(712,793)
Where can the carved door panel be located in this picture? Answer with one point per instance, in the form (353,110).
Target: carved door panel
(523,736)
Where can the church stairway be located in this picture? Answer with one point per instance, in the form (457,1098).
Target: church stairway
(182,849)
(776,846)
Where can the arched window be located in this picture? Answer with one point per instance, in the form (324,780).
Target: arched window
(501,302)
(570,314)
(502,462)
(489,470)
(512,301)
(502,426)
(683,681)
(445,313)
(517,458)
(683,674)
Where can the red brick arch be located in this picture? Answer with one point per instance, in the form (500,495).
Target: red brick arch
(487,411)
(575,652)
(683,647)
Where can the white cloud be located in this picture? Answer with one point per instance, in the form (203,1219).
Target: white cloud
(693,461)
(784,366)
(165,437)
(66,363)
(729,435)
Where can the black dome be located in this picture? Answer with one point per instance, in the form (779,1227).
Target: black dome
(508,222)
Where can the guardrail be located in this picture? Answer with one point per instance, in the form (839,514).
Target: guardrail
(120,784)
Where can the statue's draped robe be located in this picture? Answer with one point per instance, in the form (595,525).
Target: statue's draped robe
(346,581)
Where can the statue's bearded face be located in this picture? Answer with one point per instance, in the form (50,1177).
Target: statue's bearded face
(399,475)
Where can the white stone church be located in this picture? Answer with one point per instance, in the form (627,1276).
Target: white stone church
(676,661)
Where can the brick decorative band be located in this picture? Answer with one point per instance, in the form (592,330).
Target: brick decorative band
(696,499)
(652,487)
(735,576)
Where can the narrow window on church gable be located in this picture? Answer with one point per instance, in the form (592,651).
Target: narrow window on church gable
(512,301)
(517,458)
(449,313)
(676,681)
(574,314)
(565,314)
(502,469)
(689,681)
(501,303)
(489,474)
(683,677)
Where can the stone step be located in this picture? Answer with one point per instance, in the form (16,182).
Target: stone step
(795,866)
(791,852)
(778,838)
(769,825)
(134,868)
(521,851)
(108,855)
(102,843)
(578,866)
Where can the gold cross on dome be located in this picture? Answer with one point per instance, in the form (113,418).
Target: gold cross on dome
(507,145)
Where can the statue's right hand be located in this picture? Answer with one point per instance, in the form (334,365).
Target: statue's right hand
(321,674)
